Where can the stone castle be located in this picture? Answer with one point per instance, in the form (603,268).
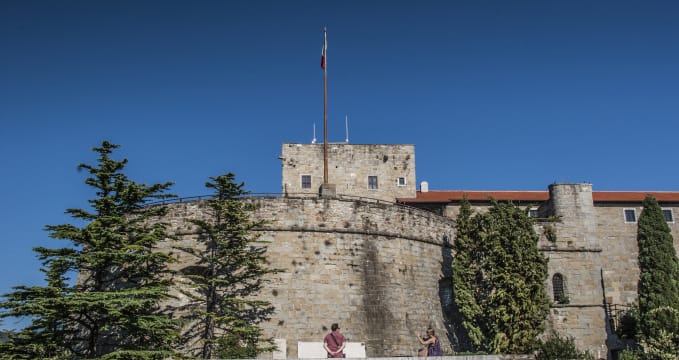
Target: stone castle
(375,254)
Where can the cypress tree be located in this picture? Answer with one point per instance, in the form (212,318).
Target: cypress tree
(231,270)
(465,273)
(112,309)
(509,303)
(659,276)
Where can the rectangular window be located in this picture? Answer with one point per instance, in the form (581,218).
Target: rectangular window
(630,215)
(533,212)
(401,181)
(372,182)
(306,181)
(667,213)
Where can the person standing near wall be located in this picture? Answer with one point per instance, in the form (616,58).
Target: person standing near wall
(432,342)
(334,342)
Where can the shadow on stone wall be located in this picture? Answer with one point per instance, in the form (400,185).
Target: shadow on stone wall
(378,316)
(451,315)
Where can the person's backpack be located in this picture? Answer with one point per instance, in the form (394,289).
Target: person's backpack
(435,349)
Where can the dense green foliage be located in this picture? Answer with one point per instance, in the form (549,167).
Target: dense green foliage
(230,271)
(465,271)
(557,347)
(629,355)
(628,323)
(498,279)
(658,284)
(112,310)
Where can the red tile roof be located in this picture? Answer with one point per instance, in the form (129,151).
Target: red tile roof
(634,196)
(535,196)
(457,195)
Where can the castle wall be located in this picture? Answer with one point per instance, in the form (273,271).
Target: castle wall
(380,270)
(349,166)
(576,255)
(620,254)
(620,251)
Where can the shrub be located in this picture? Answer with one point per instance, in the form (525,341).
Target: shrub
(557,347)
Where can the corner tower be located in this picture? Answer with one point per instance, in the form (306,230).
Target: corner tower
(575,268)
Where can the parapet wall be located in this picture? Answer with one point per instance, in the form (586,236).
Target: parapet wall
(379,270)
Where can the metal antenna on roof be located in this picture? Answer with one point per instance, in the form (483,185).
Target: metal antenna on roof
(313,141)
(346,126)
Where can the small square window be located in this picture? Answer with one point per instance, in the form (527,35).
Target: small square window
(630,216)
(306,181)
(667,213)
(401,181)
(372,182)
(533,212)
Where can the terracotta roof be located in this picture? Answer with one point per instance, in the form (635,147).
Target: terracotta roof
(535,196)
(634,196)
(457,195)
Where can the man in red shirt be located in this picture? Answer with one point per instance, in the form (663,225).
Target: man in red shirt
(334,342)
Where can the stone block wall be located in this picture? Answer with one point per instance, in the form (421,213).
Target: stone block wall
(620,252)
(573,204)
(349,166)
(376,269)
(382,270)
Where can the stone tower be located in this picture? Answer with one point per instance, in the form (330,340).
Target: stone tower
(575,267)
(383,172)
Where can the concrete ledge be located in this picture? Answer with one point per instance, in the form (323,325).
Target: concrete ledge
(458,357)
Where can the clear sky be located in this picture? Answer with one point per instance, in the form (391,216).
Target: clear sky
(495,95)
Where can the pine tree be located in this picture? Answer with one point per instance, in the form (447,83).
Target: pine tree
(112,309)
(659,276)
(45,337)
(509,305)
(231,270)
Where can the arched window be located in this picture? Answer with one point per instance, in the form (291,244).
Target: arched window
(559,287)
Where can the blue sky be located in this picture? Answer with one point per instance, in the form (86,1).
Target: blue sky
(495,95)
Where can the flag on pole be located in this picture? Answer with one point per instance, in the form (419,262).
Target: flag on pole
(325,47)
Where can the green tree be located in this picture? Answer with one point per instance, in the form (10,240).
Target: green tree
(231,269)
(112,309)
(505,304)
(658,279)
(46,336)
(466,271)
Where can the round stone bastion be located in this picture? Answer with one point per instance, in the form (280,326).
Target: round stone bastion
(381,270)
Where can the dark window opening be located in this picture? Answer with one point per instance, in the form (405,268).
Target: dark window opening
(667,213)
(372,182)
(559,288)
(306,181)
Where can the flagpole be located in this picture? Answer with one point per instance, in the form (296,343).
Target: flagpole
(325,106)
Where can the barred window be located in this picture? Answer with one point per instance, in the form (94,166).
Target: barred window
(372,182)
(533,212)
(558,287)
(667,213)
(630,216)
(306,181)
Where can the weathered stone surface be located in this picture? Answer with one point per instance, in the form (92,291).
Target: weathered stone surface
(383,271)
(375,268)
(349,166)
